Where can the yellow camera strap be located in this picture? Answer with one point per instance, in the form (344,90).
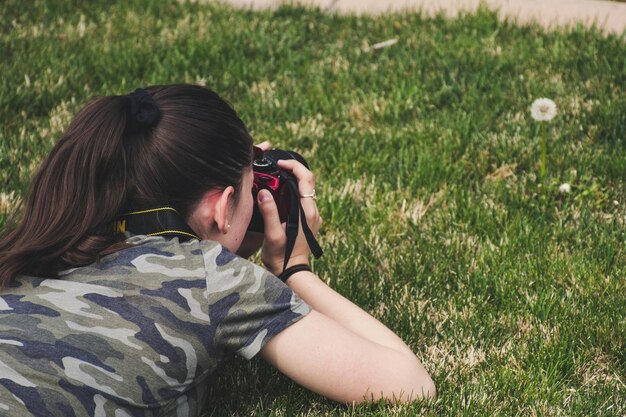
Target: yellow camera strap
(161,221)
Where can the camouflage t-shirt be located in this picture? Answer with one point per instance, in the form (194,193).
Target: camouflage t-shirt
(138,334)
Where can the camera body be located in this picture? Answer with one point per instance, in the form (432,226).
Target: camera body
(280,183)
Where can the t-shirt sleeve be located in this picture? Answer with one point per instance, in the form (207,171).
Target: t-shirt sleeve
(247,304)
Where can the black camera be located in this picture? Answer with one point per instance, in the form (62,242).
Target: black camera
(284,188)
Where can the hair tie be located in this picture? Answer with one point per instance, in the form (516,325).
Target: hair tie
(142,112)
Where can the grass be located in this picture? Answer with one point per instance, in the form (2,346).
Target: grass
(511,293)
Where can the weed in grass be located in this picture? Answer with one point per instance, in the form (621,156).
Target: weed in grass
(543,110)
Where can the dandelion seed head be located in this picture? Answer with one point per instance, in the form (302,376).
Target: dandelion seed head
(543,109)
(565,188)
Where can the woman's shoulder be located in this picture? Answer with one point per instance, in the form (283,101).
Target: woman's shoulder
(157,250)
(158,245)
(193,258)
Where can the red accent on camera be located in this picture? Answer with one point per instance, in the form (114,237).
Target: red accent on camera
(262,180)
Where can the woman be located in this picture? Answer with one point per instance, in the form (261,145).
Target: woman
(94,321)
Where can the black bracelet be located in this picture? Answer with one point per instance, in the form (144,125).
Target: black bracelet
(284,276)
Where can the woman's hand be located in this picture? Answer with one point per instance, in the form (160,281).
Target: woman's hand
(273,250)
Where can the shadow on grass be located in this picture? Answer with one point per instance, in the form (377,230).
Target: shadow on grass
(242,388)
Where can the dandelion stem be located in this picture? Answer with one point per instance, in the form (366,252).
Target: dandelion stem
(544,151)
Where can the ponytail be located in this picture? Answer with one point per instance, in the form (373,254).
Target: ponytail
(77,191)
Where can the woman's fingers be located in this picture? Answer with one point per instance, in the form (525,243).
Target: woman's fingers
(273,252)
(274,233)
(305,177)
(264,146)
(306,186)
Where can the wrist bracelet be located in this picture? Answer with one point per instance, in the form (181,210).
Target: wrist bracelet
(284,276)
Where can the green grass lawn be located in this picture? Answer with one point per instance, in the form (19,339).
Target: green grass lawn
(512,293)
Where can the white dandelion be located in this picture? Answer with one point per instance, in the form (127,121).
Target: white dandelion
(565,188)
(543,110)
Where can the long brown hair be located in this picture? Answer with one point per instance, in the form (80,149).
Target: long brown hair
(99,169)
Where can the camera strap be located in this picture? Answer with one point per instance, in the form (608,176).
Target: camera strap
(296,214)
(162,221)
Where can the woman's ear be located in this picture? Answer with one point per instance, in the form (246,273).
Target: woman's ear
(222,209)
(210,218)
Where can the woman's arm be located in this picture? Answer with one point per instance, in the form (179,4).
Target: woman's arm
(327,301)
(338,350)
(343,353)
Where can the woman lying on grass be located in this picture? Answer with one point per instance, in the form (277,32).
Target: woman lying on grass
(94,322)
